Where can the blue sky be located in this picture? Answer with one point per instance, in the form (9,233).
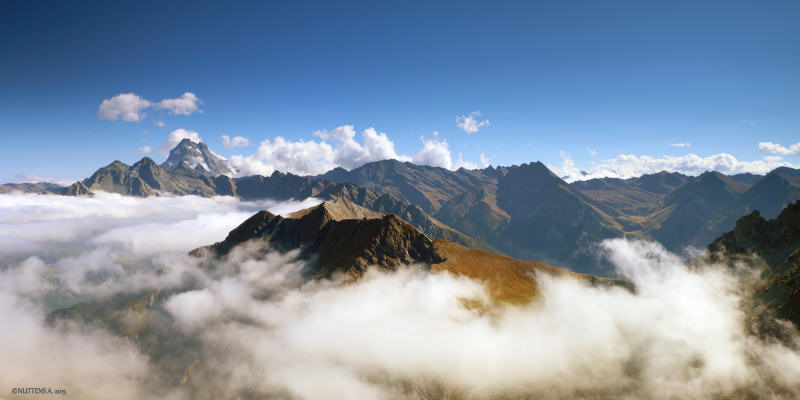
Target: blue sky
(585,80)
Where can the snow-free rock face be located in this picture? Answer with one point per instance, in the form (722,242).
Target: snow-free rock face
(198,157)
(344,237)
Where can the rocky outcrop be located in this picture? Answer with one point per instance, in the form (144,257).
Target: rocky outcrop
(341,237)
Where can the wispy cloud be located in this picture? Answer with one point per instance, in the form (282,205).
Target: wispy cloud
(469,123)
(484,160)
(681,144)
(187,104)
(236,141)
(144,150)
(591,151)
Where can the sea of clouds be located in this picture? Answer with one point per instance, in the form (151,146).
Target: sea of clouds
(261,331)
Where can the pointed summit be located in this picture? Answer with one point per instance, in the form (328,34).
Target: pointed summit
(198,157)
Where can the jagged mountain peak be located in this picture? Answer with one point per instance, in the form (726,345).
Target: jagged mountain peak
(197,156)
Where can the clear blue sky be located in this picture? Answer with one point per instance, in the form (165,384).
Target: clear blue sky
(615,77)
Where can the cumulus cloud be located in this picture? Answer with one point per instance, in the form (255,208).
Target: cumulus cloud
(629,165)
(176,136)
(187,104)
(126,106)
(774,148)
(434,153)
(130,107)
(144,150)
(337,148)
(469,123)
(236,141)
(258,329)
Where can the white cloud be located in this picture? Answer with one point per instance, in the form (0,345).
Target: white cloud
(144,150)
(484,160)
(460,163)
(126,106)
(469,123)
(774,148)
(259,329)
(194,307)
(236,141)
(681,335)
(434,153)
(338,148)
(681,144)
(187,104)
(159,123)
(130,107)
(629,165)
(176,136)
(298,157)
(379,147)
(591,151)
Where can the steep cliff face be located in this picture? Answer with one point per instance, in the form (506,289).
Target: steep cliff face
(777,242)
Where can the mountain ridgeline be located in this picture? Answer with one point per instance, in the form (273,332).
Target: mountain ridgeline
(524,211)
(777,242)
(528,212)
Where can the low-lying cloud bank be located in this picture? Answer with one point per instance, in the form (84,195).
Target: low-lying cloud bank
(259,330)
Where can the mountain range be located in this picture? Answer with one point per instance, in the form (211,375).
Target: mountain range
(524,211)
